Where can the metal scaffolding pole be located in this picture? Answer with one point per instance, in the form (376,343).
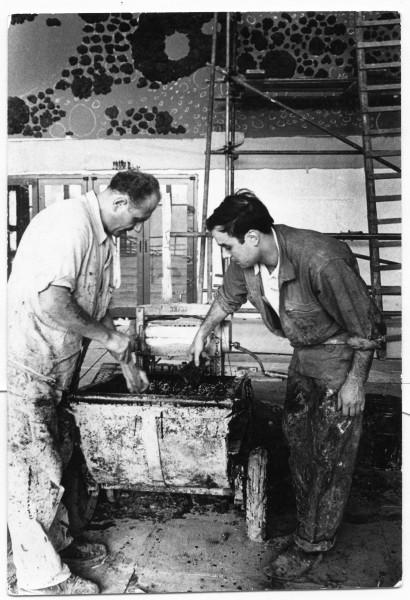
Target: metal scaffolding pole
(210,115)
(228,108)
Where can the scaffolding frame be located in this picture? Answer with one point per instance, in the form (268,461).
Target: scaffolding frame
(231,152)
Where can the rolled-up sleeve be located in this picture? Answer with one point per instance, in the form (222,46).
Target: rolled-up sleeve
(344,295)
(233,291)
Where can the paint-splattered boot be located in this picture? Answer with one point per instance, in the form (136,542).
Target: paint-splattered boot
(292,564)
(84,554)
(73,586)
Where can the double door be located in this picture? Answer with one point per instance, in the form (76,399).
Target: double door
(157,264)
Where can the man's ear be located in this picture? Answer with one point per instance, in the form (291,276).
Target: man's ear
(253,237)
(120,200)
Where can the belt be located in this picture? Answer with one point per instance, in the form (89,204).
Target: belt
(356,342)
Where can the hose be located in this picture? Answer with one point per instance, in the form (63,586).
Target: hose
(243,350)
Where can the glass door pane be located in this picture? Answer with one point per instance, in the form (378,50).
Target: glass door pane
(60,188)
(171,253)
(19,213)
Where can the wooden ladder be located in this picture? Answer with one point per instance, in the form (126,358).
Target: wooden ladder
(379,92)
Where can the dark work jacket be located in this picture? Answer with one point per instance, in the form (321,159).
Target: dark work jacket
(321,293)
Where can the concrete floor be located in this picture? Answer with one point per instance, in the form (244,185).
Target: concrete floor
(191,544)
(206,549)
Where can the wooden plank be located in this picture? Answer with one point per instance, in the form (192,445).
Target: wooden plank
(285,152)
(351,235)
(392,198)
(382,65)
(396,337)
(382,87)
(378,153)
(166,281)
(384,132)
(391,290)
(392,314)
(256,496)
(395,267)
(385,176)
(376,109)
(375,23)
(149,437)
(384,44)
(389,244)
(389,221)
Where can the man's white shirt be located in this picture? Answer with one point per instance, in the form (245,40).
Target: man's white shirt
(270,281)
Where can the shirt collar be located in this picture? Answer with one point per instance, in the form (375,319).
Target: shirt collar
(286,268)
(257,268)
(94,210)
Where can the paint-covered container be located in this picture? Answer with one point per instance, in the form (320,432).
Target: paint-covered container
(172,437)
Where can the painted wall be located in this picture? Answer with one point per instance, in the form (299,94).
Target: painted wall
(119,75)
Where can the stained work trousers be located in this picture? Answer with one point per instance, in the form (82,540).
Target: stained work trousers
(38,450)
(322,442)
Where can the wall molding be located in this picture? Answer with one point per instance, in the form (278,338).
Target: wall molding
(70,155)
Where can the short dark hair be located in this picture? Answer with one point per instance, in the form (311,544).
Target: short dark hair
(240,212)
(136,184)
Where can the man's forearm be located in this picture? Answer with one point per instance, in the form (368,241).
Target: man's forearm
(59,304)
(361,363)
(215,315)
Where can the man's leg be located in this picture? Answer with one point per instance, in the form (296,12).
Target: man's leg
(325,472)
(323,446)
(38,522)
(34,476)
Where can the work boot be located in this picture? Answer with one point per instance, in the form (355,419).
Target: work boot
(84,554)
(292,564)
(72,586)
(281,542)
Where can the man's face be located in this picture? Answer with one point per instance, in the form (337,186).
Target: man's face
(126,216)
(245,255)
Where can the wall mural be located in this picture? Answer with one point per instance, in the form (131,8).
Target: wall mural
(116,75)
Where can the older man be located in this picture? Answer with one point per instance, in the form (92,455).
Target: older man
(63,276)
(307,287)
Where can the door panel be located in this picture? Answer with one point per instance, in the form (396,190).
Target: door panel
(20,209)
(181,249)
(142,280)
(57,189)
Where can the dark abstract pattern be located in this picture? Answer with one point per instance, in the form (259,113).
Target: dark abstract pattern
(19,19)
(141,120)
(310,44)
(145,74)
(149,45)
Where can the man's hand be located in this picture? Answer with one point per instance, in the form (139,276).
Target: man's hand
(196,349)
(350,399)
(136,379)
(119,345)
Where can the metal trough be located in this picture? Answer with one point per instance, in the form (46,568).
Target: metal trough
(154,442)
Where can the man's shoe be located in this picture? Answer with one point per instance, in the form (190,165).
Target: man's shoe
(72,586)
(292,564)
(84,554)
(281,542)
